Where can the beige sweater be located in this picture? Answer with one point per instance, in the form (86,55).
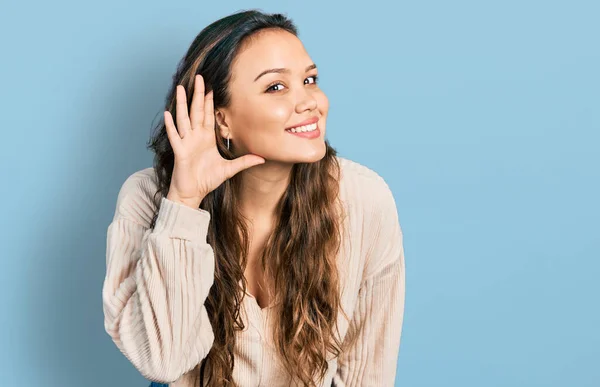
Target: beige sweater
(157,280)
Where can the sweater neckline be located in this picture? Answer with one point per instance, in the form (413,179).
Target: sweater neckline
(254,302)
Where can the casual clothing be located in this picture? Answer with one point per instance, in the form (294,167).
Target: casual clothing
(158,279)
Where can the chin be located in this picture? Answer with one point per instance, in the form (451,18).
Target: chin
(312,157)
(293,154)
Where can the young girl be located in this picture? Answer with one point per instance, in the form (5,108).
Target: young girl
(251,254)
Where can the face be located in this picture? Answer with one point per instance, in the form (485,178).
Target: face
(272,89)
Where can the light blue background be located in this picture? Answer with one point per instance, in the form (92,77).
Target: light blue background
(482,116)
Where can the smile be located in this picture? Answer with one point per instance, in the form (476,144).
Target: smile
(303,129)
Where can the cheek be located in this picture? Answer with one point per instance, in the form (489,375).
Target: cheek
(278,112)
(322,103)
(262,113)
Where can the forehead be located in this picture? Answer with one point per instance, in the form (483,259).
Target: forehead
(270,48)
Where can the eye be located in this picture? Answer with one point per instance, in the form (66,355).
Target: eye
(315,78)
(270,88)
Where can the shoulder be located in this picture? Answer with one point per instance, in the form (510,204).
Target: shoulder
(375,221)
(137,199)
(362,188)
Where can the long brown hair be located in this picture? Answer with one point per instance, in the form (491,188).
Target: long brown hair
(299,259)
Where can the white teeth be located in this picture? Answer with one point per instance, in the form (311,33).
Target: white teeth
(305,128)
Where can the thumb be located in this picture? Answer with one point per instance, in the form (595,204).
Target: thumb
(243,162)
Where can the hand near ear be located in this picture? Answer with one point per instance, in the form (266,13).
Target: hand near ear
(199,167)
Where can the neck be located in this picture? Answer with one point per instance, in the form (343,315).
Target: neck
(262,186)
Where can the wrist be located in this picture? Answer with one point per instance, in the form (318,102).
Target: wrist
(190,202)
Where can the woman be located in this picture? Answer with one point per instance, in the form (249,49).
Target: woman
(251,254)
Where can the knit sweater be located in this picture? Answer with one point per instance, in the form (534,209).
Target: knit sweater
(158,279)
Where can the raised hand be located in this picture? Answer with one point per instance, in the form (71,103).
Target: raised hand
(199,167)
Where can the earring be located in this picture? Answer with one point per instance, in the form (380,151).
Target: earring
(227,141)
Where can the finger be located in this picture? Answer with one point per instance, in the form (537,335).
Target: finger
(172,134)
(197,108)
(209,113)
(181,112)
(243,162)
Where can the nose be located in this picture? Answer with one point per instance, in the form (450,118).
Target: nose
(306,101)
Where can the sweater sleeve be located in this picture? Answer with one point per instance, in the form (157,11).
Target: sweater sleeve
(156,283)
(378,315)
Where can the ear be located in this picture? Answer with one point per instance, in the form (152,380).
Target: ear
(222,124)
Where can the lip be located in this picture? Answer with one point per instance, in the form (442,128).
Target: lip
(307,122)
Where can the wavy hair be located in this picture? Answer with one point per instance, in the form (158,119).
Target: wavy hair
(299,258)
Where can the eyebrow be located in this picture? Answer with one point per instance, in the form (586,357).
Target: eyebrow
(282,70)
